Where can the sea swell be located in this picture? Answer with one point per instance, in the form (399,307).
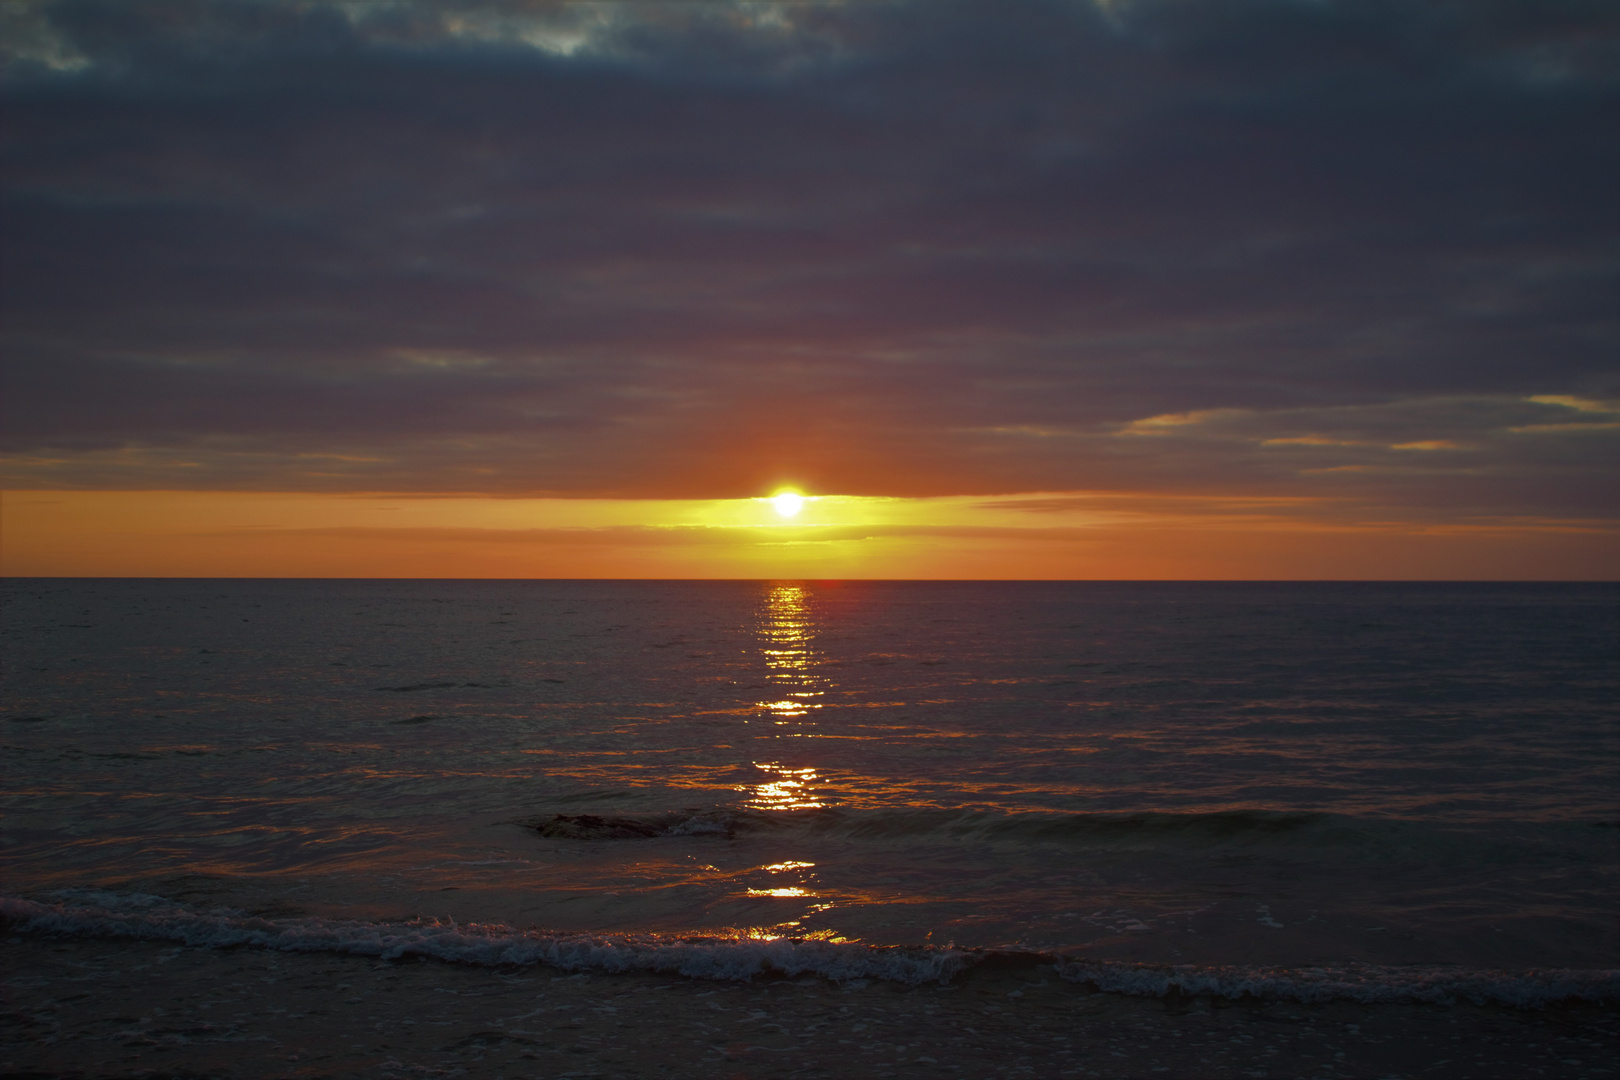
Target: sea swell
(1246,831)
(86,913)
(156,919)
(924,823)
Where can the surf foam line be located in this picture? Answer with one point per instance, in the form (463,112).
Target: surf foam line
(153,918)
(150,918)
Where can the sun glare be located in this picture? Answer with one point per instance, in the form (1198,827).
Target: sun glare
(788,503)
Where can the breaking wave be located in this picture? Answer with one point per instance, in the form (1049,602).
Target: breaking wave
(153,918)
(86,913)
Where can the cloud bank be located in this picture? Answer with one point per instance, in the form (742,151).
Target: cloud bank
(1360,249)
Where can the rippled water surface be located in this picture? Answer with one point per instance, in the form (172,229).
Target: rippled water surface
(1196,773)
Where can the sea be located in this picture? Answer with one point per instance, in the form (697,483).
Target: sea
(1373,791)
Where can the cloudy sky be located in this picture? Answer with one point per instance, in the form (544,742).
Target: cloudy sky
(1359,259)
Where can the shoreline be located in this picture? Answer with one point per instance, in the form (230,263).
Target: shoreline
(104,1008)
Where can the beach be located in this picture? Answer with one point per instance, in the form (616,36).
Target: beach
(103,1008)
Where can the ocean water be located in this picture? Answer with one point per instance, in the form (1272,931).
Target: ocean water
(1366,790)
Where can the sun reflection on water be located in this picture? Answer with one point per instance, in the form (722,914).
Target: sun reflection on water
(804,890)
(792,662)
(787,789)
(790,659)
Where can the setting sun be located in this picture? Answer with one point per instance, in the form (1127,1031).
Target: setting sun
(788,503)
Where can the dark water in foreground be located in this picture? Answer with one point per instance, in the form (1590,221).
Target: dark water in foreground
(1395,784)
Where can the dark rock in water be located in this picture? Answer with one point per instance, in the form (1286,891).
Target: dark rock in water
(591,827)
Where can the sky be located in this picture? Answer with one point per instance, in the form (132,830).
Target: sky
(1014,289)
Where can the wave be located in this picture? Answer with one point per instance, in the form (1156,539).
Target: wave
(1197,831)
(85,913)
(911,823)
(152,918)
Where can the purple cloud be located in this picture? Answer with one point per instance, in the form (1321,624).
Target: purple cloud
(886,248)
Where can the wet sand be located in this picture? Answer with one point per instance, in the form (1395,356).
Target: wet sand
(98,1008)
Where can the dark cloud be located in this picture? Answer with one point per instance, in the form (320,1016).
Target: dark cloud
(695,249)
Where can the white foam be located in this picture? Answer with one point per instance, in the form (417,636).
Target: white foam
(145,917)
(699,826)
(697,957)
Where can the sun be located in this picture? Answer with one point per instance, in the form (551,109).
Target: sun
(788,503)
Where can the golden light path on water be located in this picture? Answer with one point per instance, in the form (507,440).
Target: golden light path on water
(771,742)
(787,643)
(788,640)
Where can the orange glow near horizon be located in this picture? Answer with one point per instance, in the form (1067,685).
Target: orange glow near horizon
(1065,535)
